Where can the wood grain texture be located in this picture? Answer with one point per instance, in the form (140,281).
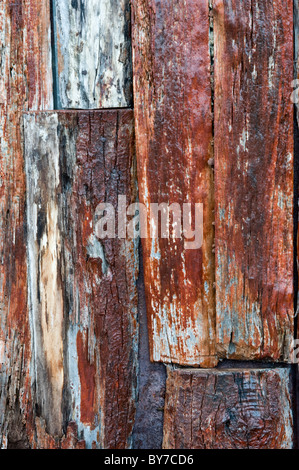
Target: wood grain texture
(93,53)
(82,289)
(173,120)
(295,100)
(25,83)
(254,178)
(295,94)
(228,409)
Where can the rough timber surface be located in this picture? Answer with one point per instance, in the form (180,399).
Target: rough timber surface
(228,409)
(25,84)
(93,47)
(172,93)
(254,178)
(82,289)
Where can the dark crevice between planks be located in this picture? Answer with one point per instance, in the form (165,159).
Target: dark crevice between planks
(227,364)
(148,428)
(56,97)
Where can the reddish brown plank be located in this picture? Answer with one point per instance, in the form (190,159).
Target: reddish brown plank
(25,83)
(254,178)
(173,119)
(82,289)
(295,100)
(228,409)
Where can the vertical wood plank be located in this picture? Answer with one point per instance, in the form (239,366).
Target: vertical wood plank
(173,119)
(93,53)
(254,178)
(25,83)
(228,409)
(82,289)
(295,100)
(148,427)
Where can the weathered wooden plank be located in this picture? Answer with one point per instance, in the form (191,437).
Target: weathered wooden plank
(174,135)
(295,94)
(295,100)
(93,53)
(25,83)
(228,409)
(254,178)
(82,289)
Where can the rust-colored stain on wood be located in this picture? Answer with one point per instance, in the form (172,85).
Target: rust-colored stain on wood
(228,409)
(254,178)
(25,83)
(173,120)
(93,42)
(82,289)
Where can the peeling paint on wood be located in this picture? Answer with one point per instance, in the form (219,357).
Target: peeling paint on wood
(174,145)
(228,409)
(25,83)
(82,289)
(93,53)
(254,178)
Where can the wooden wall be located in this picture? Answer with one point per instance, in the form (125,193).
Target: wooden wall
(174,102)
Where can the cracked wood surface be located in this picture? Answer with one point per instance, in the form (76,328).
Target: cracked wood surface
(254,178)
(228,409)
(172,94)
(25,84)
(93,45)
(295,100)
(82,289)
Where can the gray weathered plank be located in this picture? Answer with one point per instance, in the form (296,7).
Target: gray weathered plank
(93,53)
(172,94)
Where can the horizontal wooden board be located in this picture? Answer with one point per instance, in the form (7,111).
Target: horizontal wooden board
(228,409)
(82,289)
(173,120)
(254,178)
(93,50)
(25,83)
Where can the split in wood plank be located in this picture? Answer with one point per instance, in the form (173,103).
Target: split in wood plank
(93,49)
